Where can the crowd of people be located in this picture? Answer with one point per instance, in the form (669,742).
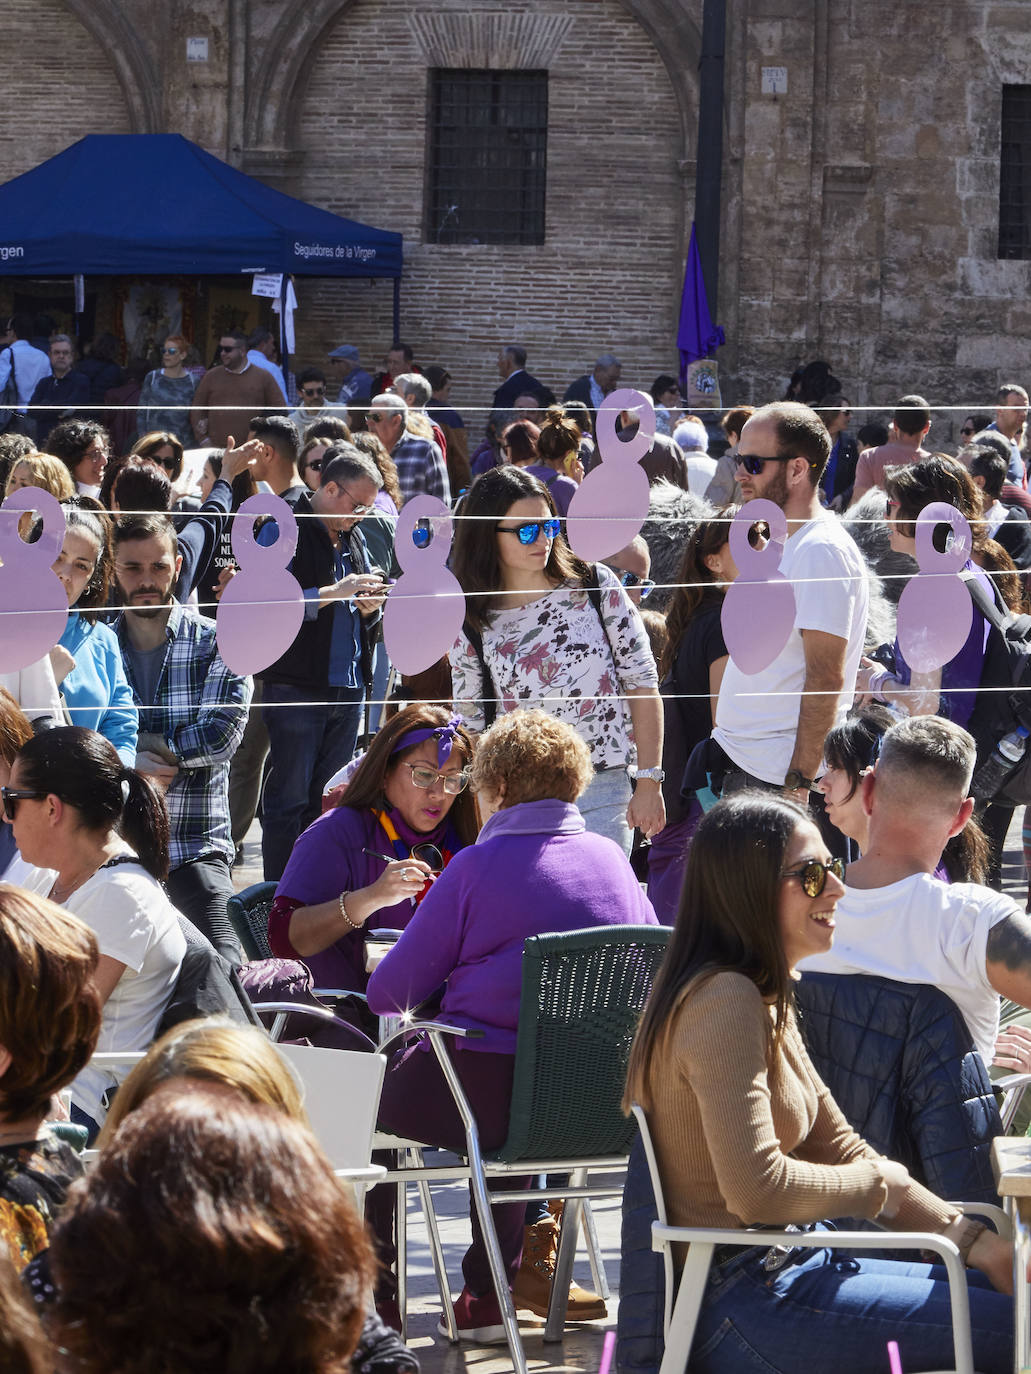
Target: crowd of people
(589,752)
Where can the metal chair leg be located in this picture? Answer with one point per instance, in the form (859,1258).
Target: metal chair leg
(401,1225)
(555,1322)
(436,1250)
(590,1230)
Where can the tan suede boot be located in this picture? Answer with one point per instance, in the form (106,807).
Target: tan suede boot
(532,1287)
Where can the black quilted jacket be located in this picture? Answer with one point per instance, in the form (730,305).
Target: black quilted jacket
(899,1061)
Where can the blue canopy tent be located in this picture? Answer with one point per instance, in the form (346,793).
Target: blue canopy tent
(124,204)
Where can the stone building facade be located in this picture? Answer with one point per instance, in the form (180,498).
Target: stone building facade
(860,190)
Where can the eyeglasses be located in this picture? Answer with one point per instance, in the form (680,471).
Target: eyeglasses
(357,507)
(753,463)
(169,464)
(13,795)
(313,391)
(967,431)
(428,853)
(170,350)
(632,579)
(453,783)
(377,419)
(813,875)
(227,348)
(530,532)
(889,506)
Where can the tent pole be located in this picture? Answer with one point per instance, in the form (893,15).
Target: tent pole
(397,309)
(284,352)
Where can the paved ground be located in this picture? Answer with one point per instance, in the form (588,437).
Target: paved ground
(581,1348)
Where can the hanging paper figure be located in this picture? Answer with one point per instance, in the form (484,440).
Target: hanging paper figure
(759,608)
(935,610)
(33,603)
(425,607)
(617,484)
(262,606)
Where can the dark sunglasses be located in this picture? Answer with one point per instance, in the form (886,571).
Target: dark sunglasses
(753,464)
(968,430)
(317,391)
(530,532)
(428,853)
(813,875)
(13,795)
(632,579)
(169,464)
(228,348)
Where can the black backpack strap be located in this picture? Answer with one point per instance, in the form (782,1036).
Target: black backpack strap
(993,608)
(490,694)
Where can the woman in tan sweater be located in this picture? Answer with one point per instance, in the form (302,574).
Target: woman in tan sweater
(747,1135)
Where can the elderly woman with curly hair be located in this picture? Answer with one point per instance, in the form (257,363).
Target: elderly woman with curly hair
(534,869)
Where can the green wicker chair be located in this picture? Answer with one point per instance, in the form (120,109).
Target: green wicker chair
(248,914)
(582,996)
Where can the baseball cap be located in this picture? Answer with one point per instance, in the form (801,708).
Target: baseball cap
(347,351)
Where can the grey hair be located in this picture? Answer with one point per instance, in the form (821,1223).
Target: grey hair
(412,384)
(516,352)
(389,400)
(608,360)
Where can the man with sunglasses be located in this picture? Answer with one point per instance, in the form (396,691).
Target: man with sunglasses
(312,387)
(632,566)
(771,725)
(840,472)
(229,394)
(897,919)
(420,463)
(312,696)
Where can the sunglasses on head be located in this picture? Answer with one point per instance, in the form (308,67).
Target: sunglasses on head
(813,874)
(11,796)
(632,579)
(530,531)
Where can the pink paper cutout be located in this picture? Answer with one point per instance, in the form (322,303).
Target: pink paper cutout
(425,607)
(758,612)
(262,608)
(33,603)
(617,483)
(935,610)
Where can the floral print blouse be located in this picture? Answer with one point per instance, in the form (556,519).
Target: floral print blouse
(554,654)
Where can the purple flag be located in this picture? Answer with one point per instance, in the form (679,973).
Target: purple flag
(697,336)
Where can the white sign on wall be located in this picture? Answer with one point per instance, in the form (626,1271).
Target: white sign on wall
(196,50)
(775,81)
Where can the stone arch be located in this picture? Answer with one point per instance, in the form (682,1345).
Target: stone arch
(107,22)
(674,34)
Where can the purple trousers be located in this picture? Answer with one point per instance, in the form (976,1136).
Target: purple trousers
(667,859)
(417,1103)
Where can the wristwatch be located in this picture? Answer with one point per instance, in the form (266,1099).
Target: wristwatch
(655,774)
(796,781)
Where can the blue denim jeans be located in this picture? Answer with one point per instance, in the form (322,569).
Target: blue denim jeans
(307,745)
(603,806)
(832,1311)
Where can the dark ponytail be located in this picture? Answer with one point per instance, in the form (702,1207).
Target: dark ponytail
(83,768)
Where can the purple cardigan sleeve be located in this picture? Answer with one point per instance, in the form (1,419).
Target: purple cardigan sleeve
(430,948)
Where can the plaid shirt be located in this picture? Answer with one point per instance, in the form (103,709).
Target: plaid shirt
(200,711)
(420,467)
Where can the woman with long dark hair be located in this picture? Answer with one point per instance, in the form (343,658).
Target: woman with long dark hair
(371,860)
(96,834)
(747,1134)
(690,672)
(545,629)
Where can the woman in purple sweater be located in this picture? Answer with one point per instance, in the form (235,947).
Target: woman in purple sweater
(534,870)
(353,869)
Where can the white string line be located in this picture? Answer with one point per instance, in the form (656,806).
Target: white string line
(522,701)
(973,407)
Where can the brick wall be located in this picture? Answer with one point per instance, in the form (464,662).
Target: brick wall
(58,85)
(607,277)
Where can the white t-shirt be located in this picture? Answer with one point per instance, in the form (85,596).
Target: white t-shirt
(755,726)
(921,930)
(135,923)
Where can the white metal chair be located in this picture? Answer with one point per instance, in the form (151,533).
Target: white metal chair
(681,1315)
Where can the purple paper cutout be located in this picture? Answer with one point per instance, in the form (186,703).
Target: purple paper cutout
(33,602)
(262,607)
(617,483)
(758,612)
(425,607)
(935,610)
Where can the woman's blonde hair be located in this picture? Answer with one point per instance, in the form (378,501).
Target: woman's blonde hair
(214,1050)
(530,756)
(47,472)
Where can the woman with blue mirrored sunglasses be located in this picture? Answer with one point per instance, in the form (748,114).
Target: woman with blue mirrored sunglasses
(530,530)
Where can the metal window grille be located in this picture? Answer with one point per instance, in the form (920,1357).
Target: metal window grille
(1015,174)
(488,148)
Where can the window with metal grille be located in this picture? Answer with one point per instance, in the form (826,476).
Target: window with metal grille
(488,146)
(1015,174)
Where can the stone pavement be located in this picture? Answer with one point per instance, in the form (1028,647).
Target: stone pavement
(581,1347)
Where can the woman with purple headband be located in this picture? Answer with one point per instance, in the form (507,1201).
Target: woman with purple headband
(353,869)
